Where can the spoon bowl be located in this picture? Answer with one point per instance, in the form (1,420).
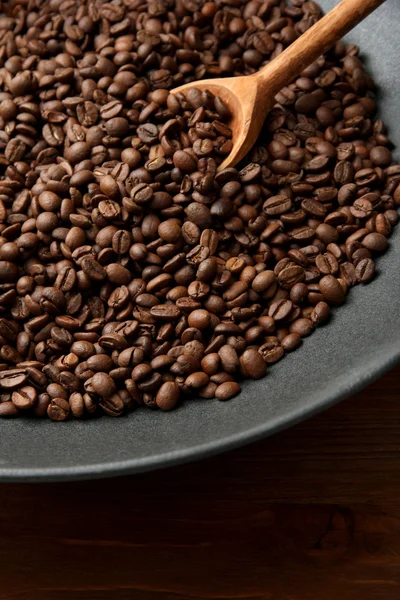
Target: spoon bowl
(245,128)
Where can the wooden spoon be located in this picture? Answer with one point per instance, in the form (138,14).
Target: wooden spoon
(251,97)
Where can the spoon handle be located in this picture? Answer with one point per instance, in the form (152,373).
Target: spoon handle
(313,43)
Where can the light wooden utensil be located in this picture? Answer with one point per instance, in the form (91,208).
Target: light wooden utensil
(250,97)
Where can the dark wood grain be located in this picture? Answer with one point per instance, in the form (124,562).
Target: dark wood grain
(310,514)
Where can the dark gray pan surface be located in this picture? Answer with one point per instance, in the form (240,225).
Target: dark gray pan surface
(361,342)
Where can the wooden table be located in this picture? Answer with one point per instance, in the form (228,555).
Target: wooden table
(310,514)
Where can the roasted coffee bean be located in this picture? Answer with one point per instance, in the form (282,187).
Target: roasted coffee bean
(291,341)
(168,395)
(103,384)
(320,313)
(151,384)
(196,380)
(77,405)
(252,364)
(43,401)
(290,275)
(327,264)
(331,290)
(113,405)
(8,271)
(208,391)
(210,364)
(58,409)
(271,351)
(92,269)
(263,281)
(25,397)
(165,312)
(229,358)
(55,390)
(100,363)
(12,379)
(277,205)
(365,270)
(227,390)
(8,409)
(375,242)
(280,309)
(302,327)
(83,349)
(298,293)
(347,273)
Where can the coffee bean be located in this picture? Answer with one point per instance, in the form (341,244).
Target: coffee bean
(381,156)
(210,364)
(208,391)
(302,327)
(25,397)
(229,358)
(320,313)
(113,405)
(347,273)
(77,152)
(83,349)
(190,233)
(252,364)
(291,341)
(365,270)
(314,208)
(55,390)
(290,275)
(327,234)
(103,384)
(8,330)
(8,409)
(196,380)
(23,83)
(111,109)
(168,396)
(209,239)
(184,161)
(53,134)
(43,401)
(277,205)
(165,312)
(151,384)
(263,281)
(227,390)
(271,351)
(280,309)
(77,405)
(8,271)
(186,363)
(375,242)
(343,173)
(58,409)
(100,363)
(327,264)
(12,379)
(93,269)
(332,290)
(298,293)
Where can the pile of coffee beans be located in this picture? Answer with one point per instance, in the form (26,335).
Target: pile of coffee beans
(132,272)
